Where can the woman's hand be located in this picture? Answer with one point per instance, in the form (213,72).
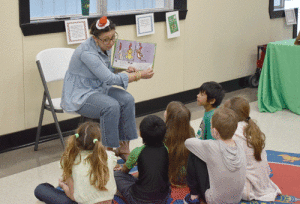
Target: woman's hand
(147,74)
(131,69)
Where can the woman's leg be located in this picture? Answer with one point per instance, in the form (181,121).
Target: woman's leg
(108,110)
(47,193)
(127,123)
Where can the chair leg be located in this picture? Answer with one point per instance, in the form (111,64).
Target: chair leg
(58,128)
(38,134)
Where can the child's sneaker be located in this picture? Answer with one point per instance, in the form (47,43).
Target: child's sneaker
(188,200)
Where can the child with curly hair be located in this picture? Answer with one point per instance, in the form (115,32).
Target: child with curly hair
(87,171)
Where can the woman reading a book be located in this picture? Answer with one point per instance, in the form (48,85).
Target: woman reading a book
(88,89)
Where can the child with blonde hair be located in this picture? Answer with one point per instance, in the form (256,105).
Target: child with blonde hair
(87,171)
(258,184)
(178,118)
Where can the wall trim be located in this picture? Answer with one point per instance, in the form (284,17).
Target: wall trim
(26,137)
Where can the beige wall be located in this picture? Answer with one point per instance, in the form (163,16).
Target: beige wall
(218,42)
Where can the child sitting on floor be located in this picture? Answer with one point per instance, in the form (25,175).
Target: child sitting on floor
(87,171)
(178,130)
(152,184)
(258,184)
(222,160)
(210,97)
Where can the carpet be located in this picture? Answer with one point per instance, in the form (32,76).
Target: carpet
(285,173)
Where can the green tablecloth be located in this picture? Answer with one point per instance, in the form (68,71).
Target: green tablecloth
(279,83)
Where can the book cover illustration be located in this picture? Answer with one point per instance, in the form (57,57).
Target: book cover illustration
(132,53)
(173,24)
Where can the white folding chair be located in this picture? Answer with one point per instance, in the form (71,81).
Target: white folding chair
(52,65)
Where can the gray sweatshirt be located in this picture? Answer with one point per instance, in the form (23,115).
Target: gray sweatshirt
(226,169)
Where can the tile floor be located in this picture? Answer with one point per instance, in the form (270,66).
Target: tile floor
(22,170)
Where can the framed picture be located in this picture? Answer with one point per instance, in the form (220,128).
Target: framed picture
(76,31)
(290,16)
(172,20)
(144,24)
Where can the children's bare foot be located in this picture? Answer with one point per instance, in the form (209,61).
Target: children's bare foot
(118,167)
(123,151)
(119,194)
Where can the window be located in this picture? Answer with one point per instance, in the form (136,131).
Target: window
(278,4)
(276,10)
(47,9)
(41,16)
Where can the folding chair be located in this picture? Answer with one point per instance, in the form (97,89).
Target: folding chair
(52,65)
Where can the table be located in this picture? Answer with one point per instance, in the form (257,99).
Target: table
(279,83)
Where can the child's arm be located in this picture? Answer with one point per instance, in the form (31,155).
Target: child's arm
(68,187)
(132,159)
(125,169)
(197,147)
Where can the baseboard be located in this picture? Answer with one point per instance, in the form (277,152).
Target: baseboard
(26,137)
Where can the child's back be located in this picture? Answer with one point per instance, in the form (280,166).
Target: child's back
(84,192)
(226,166)
(178,118)
(221,161)
(152,162)
(88,176)
(152,184)
(258,185)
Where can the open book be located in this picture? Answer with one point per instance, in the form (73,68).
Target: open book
(132,53)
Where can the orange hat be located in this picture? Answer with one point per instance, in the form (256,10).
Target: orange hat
(102,23)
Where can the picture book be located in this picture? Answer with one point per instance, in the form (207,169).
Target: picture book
(139,55)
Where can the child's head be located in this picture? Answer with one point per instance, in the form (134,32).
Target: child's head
(240,106)
(87,137)
(225,122)
(211,93)
(153,130)
(255,138)
(176,111)
(87,132)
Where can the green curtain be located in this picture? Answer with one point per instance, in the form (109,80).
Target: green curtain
(279,83)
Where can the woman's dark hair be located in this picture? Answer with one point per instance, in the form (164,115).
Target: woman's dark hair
(213,90)
(95,32)
(153,130)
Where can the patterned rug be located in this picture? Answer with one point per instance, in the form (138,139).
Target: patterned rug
(285,173)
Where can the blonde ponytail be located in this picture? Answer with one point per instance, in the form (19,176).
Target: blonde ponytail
(68,157)
(99,173)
